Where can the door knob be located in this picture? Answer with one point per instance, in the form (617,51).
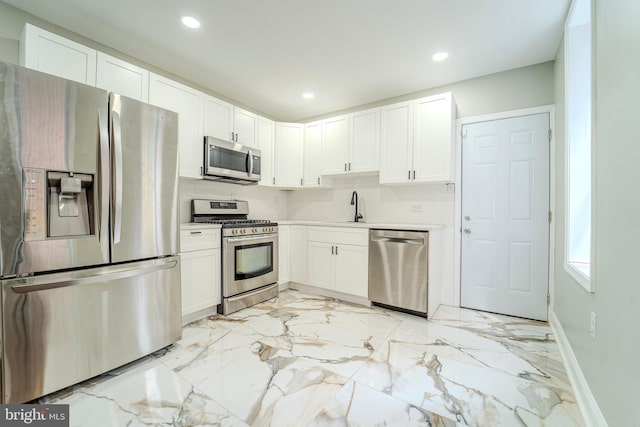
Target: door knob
(467,231)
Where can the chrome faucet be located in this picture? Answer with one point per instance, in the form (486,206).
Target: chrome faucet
(354,201)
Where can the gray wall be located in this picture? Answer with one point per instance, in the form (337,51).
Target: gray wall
(524,87)
(609,362)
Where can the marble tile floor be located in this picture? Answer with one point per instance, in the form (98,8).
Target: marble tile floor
(306,360)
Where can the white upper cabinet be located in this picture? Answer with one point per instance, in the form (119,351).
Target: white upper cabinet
(351,143)
(245,125)
(47,52)
(312,154)
(218,118)
(335,145)
(417,140)
(187,102)
(116,75)
(364,141)
(288,154)
(266,140)
(230,123)
(396,143)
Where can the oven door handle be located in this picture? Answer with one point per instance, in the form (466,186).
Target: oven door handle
(251,238)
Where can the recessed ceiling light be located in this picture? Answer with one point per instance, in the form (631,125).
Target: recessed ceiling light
(308,95)
(190,22)
(440,56)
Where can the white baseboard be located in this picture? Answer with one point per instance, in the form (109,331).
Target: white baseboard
(586,402)
(329,293)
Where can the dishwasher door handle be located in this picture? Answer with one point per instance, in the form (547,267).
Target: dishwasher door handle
(398,240)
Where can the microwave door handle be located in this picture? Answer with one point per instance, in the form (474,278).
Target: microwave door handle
(250,154)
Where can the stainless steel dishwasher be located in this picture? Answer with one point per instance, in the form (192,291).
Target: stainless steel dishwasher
(398,269)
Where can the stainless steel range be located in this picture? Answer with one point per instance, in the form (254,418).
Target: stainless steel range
(249,252)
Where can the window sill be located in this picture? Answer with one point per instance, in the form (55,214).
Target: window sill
(580,271)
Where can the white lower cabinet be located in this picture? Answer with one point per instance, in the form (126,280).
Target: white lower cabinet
(200,269)
(298,253)
(338,259)
(283,254)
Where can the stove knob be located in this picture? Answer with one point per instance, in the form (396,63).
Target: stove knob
(244,230)
(255,230)
(234,231)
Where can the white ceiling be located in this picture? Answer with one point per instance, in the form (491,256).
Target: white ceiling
(265,53)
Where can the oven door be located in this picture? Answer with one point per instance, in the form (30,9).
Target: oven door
(249,263)
(230,161)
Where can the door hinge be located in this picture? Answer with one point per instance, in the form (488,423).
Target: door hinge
(549,217)
(548,299)
(550,135)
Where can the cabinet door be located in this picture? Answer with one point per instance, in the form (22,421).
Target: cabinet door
(364,141)
(433,142)
(284,266)
(352,270)
(289,143)
(118,76)
(321,259)
(312,153)
(245,125)
(396,139)
(335,145)
(47,52)
(200,277)
(187,102)
(218,118)
(266,136)
(298,253)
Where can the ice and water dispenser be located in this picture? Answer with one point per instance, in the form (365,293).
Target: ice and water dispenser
(59,204)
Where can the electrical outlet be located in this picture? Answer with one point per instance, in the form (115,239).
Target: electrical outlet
(416,207)
(592,325)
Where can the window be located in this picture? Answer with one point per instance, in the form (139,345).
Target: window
(578,117)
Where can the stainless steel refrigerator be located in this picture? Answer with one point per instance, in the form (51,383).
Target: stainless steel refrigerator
(88,232)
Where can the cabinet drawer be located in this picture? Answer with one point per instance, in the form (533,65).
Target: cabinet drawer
(339,235)
(196,239)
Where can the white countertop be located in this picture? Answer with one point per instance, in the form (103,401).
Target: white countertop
(368,225)
(191,226)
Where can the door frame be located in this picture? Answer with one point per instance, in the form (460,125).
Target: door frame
(457,226)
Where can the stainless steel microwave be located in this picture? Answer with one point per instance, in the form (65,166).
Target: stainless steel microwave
(230,162)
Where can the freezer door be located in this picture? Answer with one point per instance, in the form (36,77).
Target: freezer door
(144,201)
(63,328)
(54,173)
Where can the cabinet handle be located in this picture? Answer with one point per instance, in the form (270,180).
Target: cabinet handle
(345,167)
(409,177)
(331,250)
(232,136)
(196,232)
(336,250)
(318,180)
(301,184)
(414,175)
(201,170)
(349,165)
(273,180)
(236,136)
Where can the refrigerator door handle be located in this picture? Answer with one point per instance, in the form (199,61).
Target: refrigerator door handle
(117,176)
(85,277)
(103,125)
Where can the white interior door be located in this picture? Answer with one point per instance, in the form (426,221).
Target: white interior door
(505,222)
